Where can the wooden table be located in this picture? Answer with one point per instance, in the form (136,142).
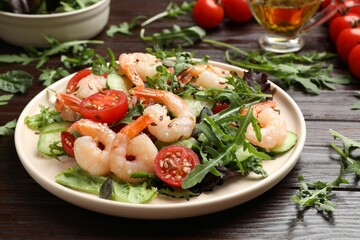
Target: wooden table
(29,211)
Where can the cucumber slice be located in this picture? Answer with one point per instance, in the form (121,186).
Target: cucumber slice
(116,82)
(197,105)
(50,134)
(289,143)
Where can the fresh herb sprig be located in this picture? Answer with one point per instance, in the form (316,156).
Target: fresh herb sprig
(318,194)
(15,81)
(175,37)
(172,10)
(41,56)
(8,129)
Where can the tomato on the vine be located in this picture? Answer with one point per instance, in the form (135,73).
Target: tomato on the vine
(108,106)
(341,23)
(346,41)
(67,142)
(237,10)
(354,61)
(345,8)
(208,13)
(173,163)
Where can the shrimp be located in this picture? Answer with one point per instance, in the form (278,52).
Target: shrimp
(88,155)
(205,75)
(273,127)
(164,128)
(68,106)
(89,85)
(126,145)
(138,66)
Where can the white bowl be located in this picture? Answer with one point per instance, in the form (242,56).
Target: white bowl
(29,29)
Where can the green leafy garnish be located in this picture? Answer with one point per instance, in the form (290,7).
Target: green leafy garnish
(41,56)
(318,194)
(124,27)
(4,99)
(176,37)
(15,81)
(49,76)
(45,117)
(8,128)
(172,10)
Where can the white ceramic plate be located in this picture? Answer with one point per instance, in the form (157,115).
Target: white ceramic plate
(232,193)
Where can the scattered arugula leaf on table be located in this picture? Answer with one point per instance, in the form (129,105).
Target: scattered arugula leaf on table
(124,27)
(318,194)
(172,10)
(176,37)
(15,81)
(356,105)
(41,56)
(49,76)
(8,129)
(4,99)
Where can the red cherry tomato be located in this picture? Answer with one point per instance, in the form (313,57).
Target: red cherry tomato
(345,8)
(237,10)
(73,82)
(108,106)
(219,106)
(346,41)
(71,86)
(339,24)
(173,163)
(354,61)
(67,142)
(208,13)
(325,3)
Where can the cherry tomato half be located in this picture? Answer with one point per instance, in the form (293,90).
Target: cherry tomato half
(173,163)
(346,41)
(354,61)
(341,23)
(219,106)
(72,84)
(108,106)
(237,10)
(67,142)
(207,13)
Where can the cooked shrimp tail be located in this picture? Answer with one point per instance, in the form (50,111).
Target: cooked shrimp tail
(164,128)
(127,144)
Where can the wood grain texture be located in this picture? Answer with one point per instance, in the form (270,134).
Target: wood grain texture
(27,211)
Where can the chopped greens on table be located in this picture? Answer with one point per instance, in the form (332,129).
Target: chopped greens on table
(153,125)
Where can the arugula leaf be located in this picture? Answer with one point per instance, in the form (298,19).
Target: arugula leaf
(49,76)
(172,10)
(318,194)
(176,37)
(15,81)
(4,99)
(41,56)
(102,65)
(124,27)
(8,128)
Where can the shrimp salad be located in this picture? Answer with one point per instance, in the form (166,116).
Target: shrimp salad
(149,125)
